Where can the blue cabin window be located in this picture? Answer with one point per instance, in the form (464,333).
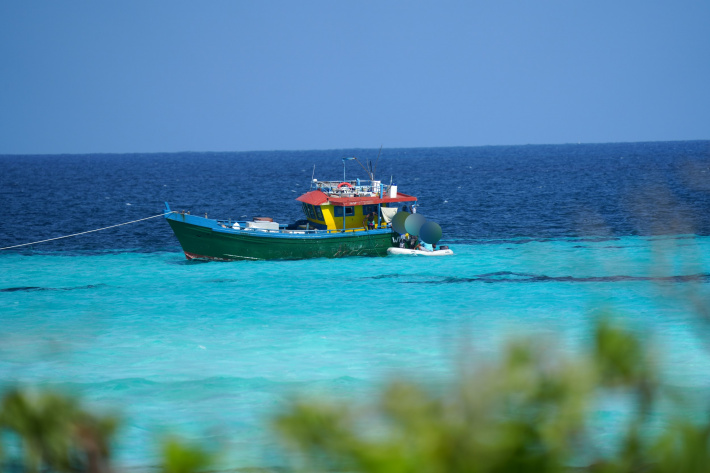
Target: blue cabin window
(367,209)
(311,211)
(349,211)
(319,213)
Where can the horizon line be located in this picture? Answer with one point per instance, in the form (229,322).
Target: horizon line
(93,153)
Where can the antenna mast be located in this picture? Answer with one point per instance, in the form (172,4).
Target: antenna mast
(378,158)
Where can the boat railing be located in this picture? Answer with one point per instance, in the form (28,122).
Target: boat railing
(352,188)
(283,228)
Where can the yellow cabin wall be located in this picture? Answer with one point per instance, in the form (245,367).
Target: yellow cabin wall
(336,223)
(329,216)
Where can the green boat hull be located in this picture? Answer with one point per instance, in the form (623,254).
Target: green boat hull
(203,238)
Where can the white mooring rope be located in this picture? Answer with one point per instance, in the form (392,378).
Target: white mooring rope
(83,233)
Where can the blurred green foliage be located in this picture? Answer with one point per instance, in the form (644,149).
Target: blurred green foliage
(55,433)
(528,412)
(180,457)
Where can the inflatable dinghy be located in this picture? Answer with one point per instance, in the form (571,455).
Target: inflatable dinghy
(406,251)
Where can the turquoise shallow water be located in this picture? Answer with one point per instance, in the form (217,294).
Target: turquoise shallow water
(212,350)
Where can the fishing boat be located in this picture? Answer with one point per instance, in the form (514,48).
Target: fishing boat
(342,218)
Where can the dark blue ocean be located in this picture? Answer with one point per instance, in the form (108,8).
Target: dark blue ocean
(500,192)
(545,237)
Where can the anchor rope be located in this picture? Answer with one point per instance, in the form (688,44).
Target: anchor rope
(369,237)
(88,231)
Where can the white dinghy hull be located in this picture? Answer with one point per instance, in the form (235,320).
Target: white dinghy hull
(408,252)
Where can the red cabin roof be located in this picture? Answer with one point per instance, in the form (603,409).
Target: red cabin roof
(319,198)
(313,198)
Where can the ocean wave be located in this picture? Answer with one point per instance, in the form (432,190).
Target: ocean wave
(511,277)
(38,288)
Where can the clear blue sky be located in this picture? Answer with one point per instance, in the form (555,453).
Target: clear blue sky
(151,76)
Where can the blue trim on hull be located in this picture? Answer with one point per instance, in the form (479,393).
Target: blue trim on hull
(215,226)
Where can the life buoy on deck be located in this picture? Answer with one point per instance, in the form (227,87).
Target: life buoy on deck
(344,184)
